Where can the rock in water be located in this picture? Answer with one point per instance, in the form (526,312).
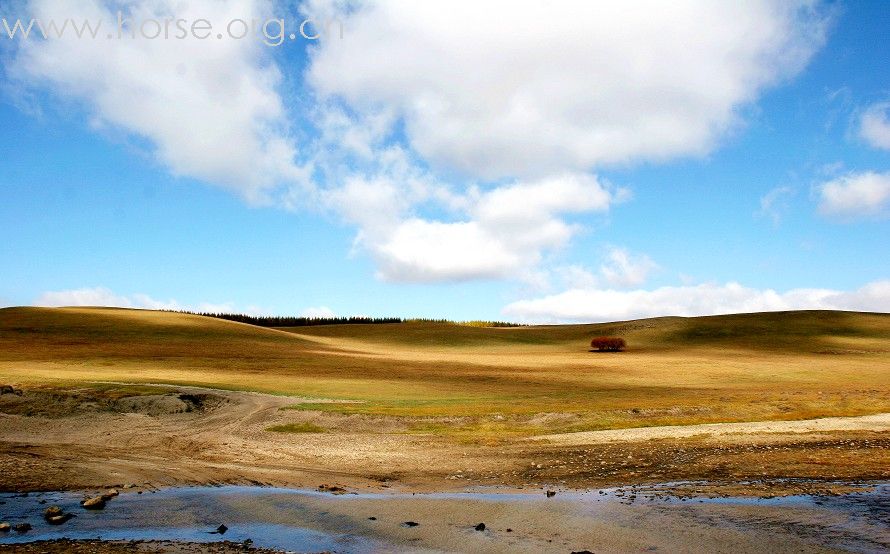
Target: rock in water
(109,494)
(95,503)
(52,511)
(551,494)
(59,519)
(22,527)
(222,529)
(480,527)
(4,527)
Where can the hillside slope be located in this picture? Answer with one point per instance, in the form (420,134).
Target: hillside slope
(743,367)
(803,331)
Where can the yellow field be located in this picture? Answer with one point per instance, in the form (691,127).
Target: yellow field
(462,379)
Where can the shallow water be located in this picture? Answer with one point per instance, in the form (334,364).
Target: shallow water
(306,520)
(181,514)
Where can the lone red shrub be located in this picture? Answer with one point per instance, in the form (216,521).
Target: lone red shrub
(608,344)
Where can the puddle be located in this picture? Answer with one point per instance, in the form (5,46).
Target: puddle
(181,514)
(307,520)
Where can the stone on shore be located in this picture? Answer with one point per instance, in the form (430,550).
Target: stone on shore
(94,503)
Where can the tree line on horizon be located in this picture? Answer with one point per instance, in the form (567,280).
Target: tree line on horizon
(303,321)
(298,321)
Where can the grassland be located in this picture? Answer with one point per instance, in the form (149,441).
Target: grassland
(296,428)
(471,381)
(105,394)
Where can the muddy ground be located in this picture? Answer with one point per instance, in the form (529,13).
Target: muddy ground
(89,438)
(65,546)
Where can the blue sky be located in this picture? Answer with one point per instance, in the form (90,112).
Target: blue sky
(768,189)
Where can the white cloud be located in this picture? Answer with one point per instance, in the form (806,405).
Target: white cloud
(874,126)
(208,108)
(620,268)
(595,305)
(774,203)
(528,100)
(857,195)
(497,233)
(318,312)
(623,269)
(419,250)
(100,296)
(497,91)
(533,98)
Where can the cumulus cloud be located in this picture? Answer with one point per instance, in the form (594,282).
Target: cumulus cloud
(497,233)
(620,268)
(855,196)
(496,91)
(874,126)
(101,296)
(596,305)
(512,108)
(534,100)
(208,108)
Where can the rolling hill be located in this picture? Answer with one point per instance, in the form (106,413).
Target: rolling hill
(784,365)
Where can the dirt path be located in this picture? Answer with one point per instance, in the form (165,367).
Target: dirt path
(52,444)
(877,422)
(229,442)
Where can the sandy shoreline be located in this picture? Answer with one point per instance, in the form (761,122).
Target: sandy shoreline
(876,422)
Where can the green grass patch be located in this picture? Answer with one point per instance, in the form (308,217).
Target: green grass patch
(296,428)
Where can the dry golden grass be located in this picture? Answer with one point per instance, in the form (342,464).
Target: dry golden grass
(792,365)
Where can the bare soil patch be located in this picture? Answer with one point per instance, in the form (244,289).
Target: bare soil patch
(53,439)
(57,403)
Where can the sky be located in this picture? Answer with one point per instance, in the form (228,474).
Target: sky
(534,162)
